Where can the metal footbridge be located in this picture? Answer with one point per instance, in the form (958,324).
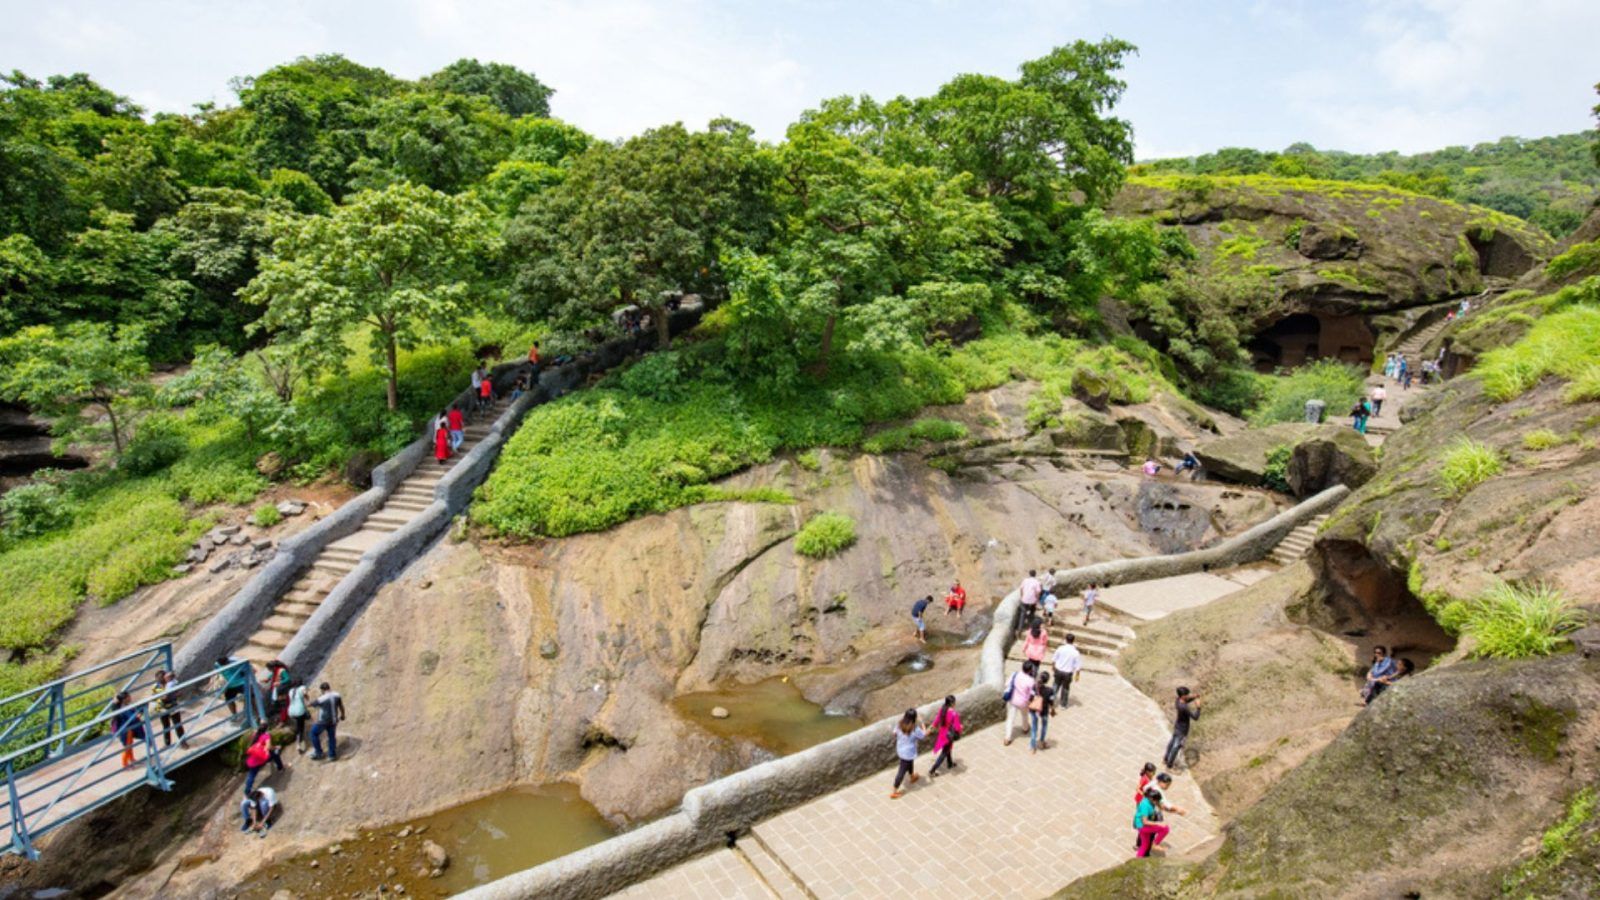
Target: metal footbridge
(60,753)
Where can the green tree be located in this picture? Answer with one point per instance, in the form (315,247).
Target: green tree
(515,92)
(631,223)
(59,371)
(446,142)
(217,240)
(399,261)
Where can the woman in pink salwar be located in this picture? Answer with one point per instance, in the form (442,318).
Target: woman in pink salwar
(948,723)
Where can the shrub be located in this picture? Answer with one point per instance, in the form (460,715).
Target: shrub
(32,509)
(1284,396)
(825,534)
(907,436)
(809,460)
(1467,464)
(1273,475)
(1542,439)
(1518,621)
(1564,343)
(266,516)
(158,444)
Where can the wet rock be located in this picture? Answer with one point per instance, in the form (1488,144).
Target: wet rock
(435,855)
(718,712)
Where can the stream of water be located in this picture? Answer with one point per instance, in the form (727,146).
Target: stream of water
(772,714)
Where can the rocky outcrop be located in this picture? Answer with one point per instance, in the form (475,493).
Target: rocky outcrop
(1333,455)
(1242,457)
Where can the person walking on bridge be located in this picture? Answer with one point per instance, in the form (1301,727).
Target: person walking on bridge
(127,727)
(171,718)
(330,712)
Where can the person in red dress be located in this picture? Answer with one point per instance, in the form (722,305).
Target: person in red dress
(956,600)
(441,445)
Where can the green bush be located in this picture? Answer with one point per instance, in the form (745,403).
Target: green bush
(266,515)
(809,460)
(905,437)
(32,509)
(1274,474)
(1542,439)
(1467,464)
(1518,621)
(825,534)
(159,443)
(1284,396)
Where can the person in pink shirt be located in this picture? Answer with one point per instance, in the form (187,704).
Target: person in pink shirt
(1019,690)
(1036,643)
(1030,590)
(948,723)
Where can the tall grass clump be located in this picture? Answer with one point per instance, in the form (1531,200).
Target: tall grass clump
(1564,344)
(825,534)
(1284,396)
(1467,464)
(1541,439)
(1518,621)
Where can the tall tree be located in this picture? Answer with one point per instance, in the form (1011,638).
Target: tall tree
(631,223)
(60,371)
(400,262)
(515,92)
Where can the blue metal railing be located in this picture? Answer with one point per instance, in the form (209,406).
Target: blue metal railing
(69,767)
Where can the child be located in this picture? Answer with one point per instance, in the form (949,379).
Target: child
(1089,598)
(956,600)
(907,734)
(1040,709)
(1048,601)
(948,723)
(1147,822)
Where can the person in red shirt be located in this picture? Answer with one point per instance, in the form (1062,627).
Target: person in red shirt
(441,445)
(485,393)
(533,353)
(956,600)
(458,427)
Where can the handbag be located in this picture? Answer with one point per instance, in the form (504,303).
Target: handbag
(1010,687)
(1036,703)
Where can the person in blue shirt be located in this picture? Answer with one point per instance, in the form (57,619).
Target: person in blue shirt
(234,682)
(1383,667)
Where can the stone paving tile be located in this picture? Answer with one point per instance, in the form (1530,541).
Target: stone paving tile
(715,876)
(1007,823)
(1160,597)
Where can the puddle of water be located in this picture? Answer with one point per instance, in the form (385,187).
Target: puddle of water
(911,665)
(771,714)
(486,839)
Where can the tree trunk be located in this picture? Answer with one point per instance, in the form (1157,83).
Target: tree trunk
(663,328)
(390,352)
(116,429)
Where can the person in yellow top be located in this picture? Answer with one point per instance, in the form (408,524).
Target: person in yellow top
(171,718)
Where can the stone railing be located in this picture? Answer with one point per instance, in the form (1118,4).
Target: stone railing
(710,814)
(243,614)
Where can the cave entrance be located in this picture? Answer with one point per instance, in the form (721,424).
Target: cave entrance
(1302,337)
(1498,254)
(1362,599)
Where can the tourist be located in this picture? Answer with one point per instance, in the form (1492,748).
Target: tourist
(1035,643)
(948,725)
(127,727)
(458,427)
(276,687)
(906,737)
(441,445)
(486,395)
(1465,305)
(1040,709)
(1151,467)
(956,600)
(478,375)
(1379,394)
(234,682)
(1146,775)
(1188,709)
(1389,366)
(299,712)
(257,808)
(1190,464)
(519,388)
(1405,668)
(171,718)
(1048,604)
(1400,369)
(1147,824)
(1382,669)
(533,356)
(330,712)
(256,757)
(1048,582)
(1405,374)
(917,609)
(1019,691)
(1068,664)
(1161,785)
(1358,417)
(1090,596)
(1029,591)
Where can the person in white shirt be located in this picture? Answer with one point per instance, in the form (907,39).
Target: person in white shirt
(1048,582)
(1068,663)
(1378,396)
(1089,598)
(257,810)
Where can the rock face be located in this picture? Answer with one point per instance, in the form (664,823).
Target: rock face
(1242,457)
(1330,457)
(1320,240)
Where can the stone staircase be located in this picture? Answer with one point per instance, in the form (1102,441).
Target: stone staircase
(339,558)
(1296,543)
(1099,642)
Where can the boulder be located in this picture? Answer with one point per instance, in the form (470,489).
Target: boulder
(435,854)
(290,507)
(270,464)
(1323,241)
(358,469)
(1242,457)
(1337,455)
(719,712)
(1092,389)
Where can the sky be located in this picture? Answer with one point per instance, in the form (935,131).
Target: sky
(1354,75)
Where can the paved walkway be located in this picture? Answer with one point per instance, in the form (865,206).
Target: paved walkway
(1009,823)
(1158,597)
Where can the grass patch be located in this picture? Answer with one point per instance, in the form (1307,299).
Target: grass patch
(599,457)
(810,460)
(1564,343)
(1519,621)
(1467,464)
(825,534)
(1273,475)
(1558,843)
(1284,396)
(922,431)
(1542,439)
(266,515)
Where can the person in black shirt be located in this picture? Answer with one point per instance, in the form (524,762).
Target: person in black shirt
(1188,707)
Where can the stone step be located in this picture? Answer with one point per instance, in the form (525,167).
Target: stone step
(1084,640)
(283,621)
(386,516)
(338,567)
(312,597)
(334,551)
(385,527)
(405,503)
(300,608)
(263,646)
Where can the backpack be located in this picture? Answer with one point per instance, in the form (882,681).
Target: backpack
(1011,686)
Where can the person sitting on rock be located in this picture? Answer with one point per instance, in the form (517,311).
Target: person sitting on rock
(1189,464)
(1380,676)
(956,600)
(1151,467)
